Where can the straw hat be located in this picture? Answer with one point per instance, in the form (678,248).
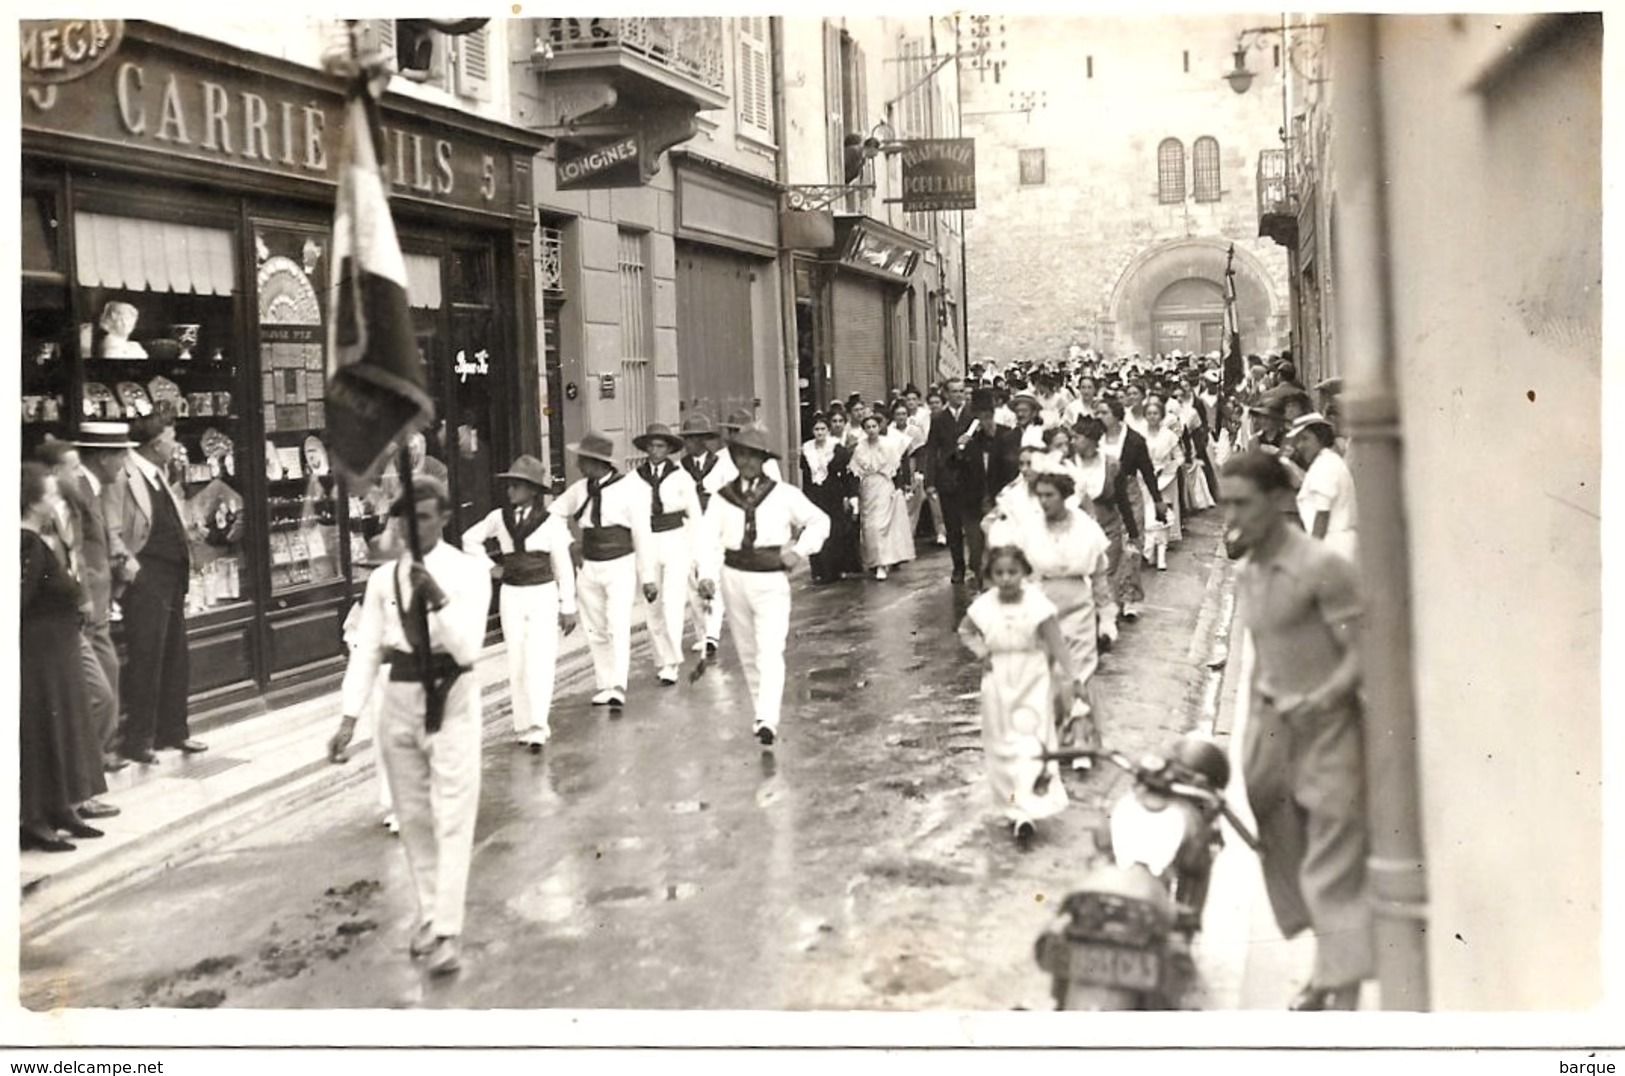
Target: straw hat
(529,469)
(594,446)
(698,424)
(739,420)
(752,439)
(103,435)
(658,431)
(1313,418)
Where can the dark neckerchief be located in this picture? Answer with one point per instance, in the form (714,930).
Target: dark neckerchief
(647,473)
(517,531)
(734,493)
(595,498)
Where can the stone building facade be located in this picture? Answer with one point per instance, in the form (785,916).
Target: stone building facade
(1115,170)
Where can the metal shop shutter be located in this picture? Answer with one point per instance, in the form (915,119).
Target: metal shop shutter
(715,336)
(860,340)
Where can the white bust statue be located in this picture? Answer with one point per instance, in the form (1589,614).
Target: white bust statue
(118,322)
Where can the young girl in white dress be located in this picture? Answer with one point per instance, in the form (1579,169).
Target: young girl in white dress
(1012,627)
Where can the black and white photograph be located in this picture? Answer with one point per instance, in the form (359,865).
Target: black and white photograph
(698,520)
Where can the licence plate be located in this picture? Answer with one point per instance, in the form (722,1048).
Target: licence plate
(1109,965)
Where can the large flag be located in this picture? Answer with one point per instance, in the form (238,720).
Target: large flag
(376,391)
(1233,369)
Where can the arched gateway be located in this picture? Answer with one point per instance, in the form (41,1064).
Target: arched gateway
(1171,297)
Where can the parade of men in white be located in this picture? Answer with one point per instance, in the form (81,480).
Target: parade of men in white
(674,514)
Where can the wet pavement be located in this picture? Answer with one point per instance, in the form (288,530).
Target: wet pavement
(663,859)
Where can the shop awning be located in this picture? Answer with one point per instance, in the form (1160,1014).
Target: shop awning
(423,281)
(152,255)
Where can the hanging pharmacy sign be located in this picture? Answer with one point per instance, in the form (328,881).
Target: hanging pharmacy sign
(939,174)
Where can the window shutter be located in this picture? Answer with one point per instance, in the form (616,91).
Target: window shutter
(860,124)
(832,102)
(378,35)
(754,82)
(474,64)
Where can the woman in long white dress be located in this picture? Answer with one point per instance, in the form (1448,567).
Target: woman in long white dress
(1013,628)
(882,508)
(1166,458)
(1070,557)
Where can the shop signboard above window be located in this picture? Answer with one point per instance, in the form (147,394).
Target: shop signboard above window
(872,252)
(939,174)
(62,50)
(615,164)
(153,98)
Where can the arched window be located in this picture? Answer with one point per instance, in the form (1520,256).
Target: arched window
(1171,171)
(1205,169)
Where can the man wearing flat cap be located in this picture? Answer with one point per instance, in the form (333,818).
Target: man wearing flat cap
(612,511)
(674,515)
(426,619)
(146,516)
(537,601)
(756,529)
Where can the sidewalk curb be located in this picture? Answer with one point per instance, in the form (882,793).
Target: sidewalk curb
(48,900)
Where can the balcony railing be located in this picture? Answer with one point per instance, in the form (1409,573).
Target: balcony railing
(692,47)
(1277,213)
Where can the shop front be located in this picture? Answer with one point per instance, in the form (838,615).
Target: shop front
(176,217)
(728,339)
(853,300)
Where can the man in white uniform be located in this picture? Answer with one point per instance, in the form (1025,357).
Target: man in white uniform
(750,540)
(727,468)
(701,462)
(674,515)
(1326,500)
(430,740)
(613,514)
(538,596)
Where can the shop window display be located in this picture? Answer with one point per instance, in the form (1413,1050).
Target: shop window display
(304,533)
(159,308)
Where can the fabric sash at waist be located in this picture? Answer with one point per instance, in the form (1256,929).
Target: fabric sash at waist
(526,569)
(606,543)
(403,666)
(666,521)
(754,560)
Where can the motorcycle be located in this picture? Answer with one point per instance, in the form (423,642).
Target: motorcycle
(1122,940)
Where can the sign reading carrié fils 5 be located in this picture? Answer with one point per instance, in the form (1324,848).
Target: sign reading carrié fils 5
(110,89)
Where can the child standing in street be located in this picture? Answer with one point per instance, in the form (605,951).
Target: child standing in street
(1013,629)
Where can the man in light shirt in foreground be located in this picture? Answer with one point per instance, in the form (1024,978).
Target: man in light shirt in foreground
(429,740)
(756,530)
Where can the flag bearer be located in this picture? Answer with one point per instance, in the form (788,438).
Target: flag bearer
(538,596)
(755,530)
(613,515)
(701,462)
(674,515)
(430,739)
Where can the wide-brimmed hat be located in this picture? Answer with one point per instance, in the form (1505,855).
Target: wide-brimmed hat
(740,420)
(594,446)
(1313,418)
(1026,397)
(753,440)
(658,431)
(103,435)
(1273,402)
(698,424)
(1333,385)
(529,469)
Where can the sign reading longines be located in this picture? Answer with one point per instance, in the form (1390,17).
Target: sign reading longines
(939,174)
(148,97)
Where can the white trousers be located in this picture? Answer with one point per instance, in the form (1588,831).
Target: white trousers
(665,614)
(759,603)
(435,781)
(605,590)
(530,624)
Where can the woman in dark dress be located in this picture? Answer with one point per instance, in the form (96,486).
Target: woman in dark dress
(53,714)
(841,549)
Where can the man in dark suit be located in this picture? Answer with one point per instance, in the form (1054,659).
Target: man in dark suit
(960,446)
(146,515)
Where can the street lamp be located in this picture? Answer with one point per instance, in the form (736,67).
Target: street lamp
(1241,79)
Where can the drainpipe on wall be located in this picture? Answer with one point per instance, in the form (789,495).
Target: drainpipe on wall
(1396,868)
(787,263)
